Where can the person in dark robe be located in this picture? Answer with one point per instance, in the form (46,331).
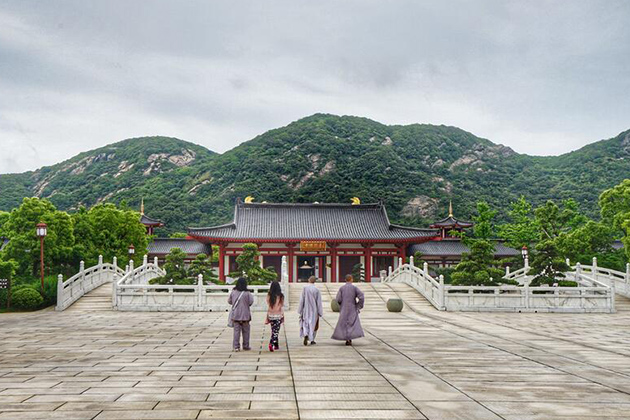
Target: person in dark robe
(351,301)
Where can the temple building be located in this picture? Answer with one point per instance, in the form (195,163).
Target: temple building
(161,247)
(149,223)
(447,249)
(325,240)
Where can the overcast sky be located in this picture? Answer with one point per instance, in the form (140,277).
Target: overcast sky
(543,77)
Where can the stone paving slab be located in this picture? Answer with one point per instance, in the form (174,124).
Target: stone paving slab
(417,364)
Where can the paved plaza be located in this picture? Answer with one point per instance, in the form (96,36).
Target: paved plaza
(92,363)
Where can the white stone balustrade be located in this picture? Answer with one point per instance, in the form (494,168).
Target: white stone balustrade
(86,280)
(134,293)
(592,294)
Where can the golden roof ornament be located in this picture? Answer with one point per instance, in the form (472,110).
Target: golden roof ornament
(249,199)
(450,209)
(355,201)
(142,206)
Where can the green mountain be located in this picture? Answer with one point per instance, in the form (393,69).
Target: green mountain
(415,169)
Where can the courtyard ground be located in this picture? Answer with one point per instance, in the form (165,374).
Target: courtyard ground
(93,363)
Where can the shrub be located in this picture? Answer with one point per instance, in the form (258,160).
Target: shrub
(50,290)
(27,298)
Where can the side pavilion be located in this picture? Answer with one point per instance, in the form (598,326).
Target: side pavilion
(325,240)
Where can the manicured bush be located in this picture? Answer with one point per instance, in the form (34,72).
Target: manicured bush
(27,298)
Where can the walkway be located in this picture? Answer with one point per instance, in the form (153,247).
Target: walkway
(86,364)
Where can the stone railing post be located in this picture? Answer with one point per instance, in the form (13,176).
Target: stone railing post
(411,261)
(400,262)
(425,269)
(526,265)
(155,262)
(578,272)
(507,270)
(82,278)
(200,291)
(568,261)
(389,271)
(115,263)
(526,295)
(612,296)
(441,300)
(131,270)
(100,270)
(145,259)
(595,270)
(60,296)
(115,293)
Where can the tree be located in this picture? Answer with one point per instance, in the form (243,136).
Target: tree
(108,231)
(249,266)
(615,211)
(548,265)
(24,245)
(175,265)
(522,229)
(478,267)
(202,265)
(593,239)
(4,217)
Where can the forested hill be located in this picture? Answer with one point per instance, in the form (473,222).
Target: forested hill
(415,169)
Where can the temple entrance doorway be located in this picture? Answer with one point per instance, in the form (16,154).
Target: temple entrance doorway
(311,266)
(274,261)
(346,265)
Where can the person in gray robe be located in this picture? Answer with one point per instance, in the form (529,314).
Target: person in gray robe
(309,311)
(351,301)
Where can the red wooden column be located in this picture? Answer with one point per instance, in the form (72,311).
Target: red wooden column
(322,266)
(222,262)
(290,262)
(367,255)
(402,252)
(333,262)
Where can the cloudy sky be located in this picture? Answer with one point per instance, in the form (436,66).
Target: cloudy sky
(543,77)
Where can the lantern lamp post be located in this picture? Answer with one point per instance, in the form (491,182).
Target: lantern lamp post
(524,252)
(42,231)
(132,251)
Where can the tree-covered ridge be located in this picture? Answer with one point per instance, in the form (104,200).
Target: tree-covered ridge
(415,169)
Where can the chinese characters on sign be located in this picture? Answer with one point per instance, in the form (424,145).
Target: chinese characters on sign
(313,246)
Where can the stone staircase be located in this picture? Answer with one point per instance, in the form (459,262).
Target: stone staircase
(99,299)
(376,296)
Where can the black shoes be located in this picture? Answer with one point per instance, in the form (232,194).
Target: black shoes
(306,340)
(348,342)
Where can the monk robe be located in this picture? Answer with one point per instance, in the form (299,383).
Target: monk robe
(351,300)
(309,310)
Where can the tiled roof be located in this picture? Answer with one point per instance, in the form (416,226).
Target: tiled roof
(3,243)
(457,248)
(266,221)
(162,246)
(149,221)
(617,244)
(451,221)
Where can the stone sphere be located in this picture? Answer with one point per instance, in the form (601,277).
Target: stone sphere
(334,305)
(394,305)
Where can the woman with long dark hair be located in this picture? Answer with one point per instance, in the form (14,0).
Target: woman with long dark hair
(275,313)
(240,299)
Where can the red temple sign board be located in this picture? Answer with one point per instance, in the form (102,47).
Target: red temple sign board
(311,246)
